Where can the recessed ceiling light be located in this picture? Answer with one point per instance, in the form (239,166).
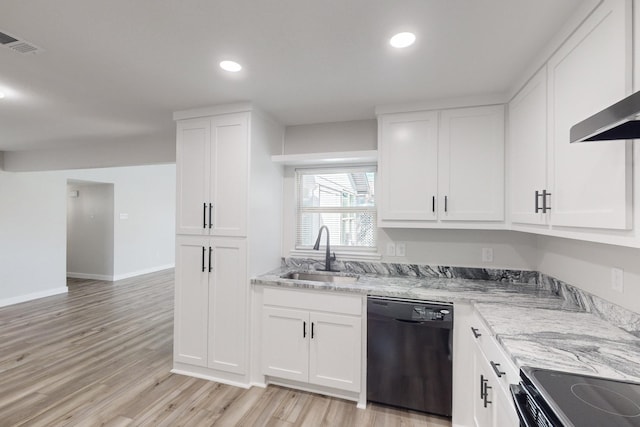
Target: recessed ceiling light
(401,40)
(231,66)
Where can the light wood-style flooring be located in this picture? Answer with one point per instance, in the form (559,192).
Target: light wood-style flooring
(101,355)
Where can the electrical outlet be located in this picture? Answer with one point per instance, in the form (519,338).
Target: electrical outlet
(487,254)
(617,279)
(391,249)
(400,249)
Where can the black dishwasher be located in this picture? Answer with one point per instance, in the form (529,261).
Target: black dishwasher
(409,354)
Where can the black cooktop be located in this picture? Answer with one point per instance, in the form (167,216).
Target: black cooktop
(583,400)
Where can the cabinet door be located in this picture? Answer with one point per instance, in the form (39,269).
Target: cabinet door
(285,343)
(191,296)
(484,391)
(528,150)
(592,180)
(504,414)
(336,351)
(408,166)
(228,305)
(192,170)
(229,174)
(471,174)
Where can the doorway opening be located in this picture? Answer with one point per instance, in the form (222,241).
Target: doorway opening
(90,230)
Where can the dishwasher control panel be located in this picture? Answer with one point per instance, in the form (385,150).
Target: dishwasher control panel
(421,313)
(410,310)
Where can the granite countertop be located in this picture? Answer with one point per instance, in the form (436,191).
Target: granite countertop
(534,324)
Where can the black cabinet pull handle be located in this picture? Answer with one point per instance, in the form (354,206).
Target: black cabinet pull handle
(545,208)
(476,334)
(445,203)
(433,204)
(312,330)
(487,387)
(203,251)
(482,381)
(210,209)
(204,216)
(537,202)
(210,266)
(496,369)
(304,329)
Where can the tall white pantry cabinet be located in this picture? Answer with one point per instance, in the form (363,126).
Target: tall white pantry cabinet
(229,201)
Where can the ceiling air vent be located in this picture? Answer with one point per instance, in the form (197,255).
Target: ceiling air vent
(20,46)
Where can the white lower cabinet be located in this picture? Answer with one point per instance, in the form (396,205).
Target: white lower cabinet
(482,375)
(483,394)
(493,372)
(285,347)
(210,303)
(312,338)
(335,351)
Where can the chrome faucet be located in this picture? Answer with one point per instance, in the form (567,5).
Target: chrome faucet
(328,257)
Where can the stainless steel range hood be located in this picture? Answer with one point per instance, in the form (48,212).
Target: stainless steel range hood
(615,122)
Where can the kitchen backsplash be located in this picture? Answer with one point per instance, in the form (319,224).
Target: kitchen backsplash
(614,314)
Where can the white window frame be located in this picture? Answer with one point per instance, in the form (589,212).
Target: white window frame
(356,253)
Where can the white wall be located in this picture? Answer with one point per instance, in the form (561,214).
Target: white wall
(90,219)
(588,266)
(112,154)
(32,236)
(329,137)
(461,248)
(33,226)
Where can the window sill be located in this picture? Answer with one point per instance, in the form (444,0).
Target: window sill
(340,255)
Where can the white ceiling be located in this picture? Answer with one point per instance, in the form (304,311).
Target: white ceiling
(115,70)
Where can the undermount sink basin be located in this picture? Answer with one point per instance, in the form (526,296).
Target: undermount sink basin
(321,277)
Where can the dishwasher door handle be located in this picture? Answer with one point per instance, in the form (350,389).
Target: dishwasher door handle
(414,322)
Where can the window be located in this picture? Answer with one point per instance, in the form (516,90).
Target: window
(343,199)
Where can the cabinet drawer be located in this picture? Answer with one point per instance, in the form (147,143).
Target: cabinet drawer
(309,300)
(495,355)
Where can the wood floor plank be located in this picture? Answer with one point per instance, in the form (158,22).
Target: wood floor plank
(101,355)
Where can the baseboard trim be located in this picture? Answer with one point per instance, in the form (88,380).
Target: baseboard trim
(116,277)
(35,295)
(87,276)
(210,378)
(141,272)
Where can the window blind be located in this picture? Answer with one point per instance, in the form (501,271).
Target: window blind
(343,200)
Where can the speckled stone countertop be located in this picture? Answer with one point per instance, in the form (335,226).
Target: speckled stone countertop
(534,324)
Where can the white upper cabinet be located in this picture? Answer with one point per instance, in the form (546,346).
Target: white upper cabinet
(528,151)
(192,170)
(471,164)
(441,168)
(408,166)
(212,175)
(590,182)
(229,174)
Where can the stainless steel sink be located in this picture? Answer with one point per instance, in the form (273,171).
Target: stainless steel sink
(320,277)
